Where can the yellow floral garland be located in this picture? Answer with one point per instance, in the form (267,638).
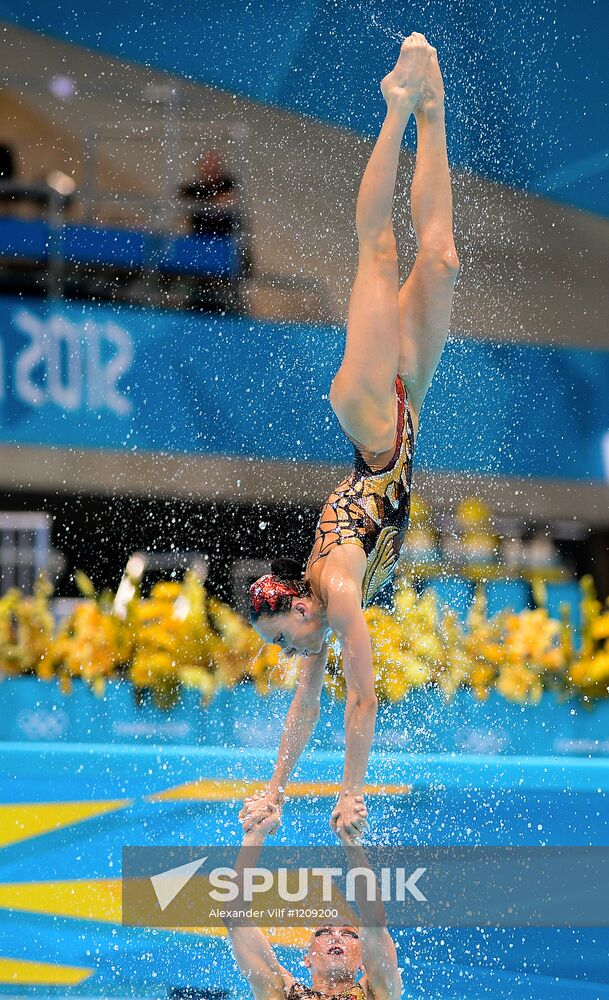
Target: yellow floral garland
(183,636)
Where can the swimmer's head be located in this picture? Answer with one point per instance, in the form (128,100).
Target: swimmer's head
(334,950)
(284,611)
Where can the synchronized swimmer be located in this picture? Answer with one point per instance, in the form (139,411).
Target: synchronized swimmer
(395,336)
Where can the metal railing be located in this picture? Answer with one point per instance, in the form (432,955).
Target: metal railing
(161,129)
(25,549)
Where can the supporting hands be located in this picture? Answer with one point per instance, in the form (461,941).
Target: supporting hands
(349,818)
(258,809)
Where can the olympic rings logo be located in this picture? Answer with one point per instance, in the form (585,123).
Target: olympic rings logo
(41,724)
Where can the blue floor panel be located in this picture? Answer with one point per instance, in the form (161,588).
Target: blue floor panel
(465,800)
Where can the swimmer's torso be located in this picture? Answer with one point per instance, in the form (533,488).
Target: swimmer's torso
(371,508)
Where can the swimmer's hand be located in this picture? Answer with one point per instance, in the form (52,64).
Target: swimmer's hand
(258,808)
(266,825)
(349,818)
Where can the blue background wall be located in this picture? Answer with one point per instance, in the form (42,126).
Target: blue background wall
(527,82)
(116,377)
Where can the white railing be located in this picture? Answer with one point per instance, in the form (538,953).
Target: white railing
(25,549)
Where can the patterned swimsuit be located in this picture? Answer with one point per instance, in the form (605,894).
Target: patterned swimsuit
(300,992)
(371,508)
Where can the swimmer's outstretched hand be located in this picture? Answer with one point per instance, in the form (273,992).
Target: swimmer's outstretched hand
(349,818)
(258,808)
(403,84)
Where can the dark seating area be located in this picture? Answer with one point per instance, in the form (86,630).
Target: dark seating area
(34,254)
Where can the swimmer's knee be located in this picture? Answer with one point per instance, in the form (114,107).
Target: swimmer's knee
(348,390)
(342,398)
(378,243)
(334,390)
(440,256)
(335,386)
(360,411)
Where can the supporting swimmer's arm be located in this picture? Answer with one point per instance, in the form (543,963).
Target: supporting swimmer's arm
(378,950)
(346,617)
(251,948)
(300,722)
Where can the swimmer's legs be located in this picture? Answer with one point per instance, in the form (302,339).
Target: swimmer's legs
(425,299)
(363,394)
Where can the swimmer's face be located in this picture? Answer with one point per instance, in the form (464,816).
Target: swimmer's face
(334,950)
(297,631)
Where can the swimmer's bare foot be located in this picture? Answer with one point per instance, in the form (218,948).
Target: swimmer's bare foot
(430,105)
(403,84)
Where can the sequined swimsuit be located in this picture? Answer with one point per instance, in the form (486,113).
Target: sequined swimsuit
(300,992)
(371,508)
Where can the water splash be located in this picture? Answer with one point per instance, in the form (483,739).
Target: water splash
(373,19)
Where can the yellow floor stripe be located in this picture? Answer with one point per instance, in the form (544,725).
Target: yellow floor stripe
(210,790)
(17,971)
(86,899)
(24,820)
(100,900)
(81,899)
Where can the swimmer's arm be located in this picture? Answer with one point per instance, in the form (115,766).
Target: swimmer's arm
(378,950)
(301,719)
(381,962)
(252,951)
(347,619)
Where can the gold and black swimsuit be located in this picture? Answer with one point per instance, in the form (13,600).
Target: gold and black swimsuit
(300,992)
(371,508)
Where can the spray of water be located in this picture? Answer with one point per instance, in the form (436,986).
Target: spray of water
(385,29)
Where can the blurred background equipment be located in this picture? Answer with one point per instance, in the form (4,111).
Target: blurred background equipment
(25,549)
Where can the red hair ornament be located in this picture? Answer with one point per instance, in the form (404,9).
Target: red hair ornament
(270,590)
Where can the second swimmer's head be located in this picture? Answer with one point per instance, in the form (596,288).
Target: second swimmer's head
(284,611)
